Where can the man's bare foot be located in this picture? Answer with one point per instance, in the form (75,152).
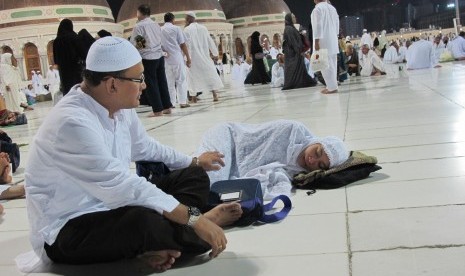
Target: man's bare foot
(1,209)
(161,260)
(326,91)
(167,111)
(155,114)
(5,168)
(224,214)
(215,96)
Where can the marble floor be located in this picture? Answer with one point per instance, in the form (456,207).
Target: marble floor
(406,219)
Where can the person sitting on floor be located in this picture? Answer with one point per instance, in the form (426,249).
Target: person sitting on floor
(80,188)
(370,63)
(277,72)
(271,152)
(420,55)
(352,61)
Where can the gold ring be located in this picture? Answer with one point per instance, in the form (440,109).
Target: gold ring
(220,247)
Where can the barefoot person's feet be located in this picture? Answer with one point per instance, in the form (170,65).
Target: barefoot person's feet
(5,168)
(161,260)
(155,114)
(326,91)
(215,96)
(166,111)
(224,214)
(1,209)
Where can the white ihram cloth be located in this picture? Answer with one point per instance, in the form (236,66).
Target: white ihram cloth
(267,152)
(79,163)
(277,75)
(402,52)
(391,56)
(53,80)
(420,55)
(9,76)
(245,70)
(458,47)
(202,75)
(369,62)
(366,40)
(175,68)
(439,49)
(325,22)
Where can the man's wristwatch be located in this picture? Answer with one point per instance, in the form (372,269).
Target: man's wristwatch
(194,215)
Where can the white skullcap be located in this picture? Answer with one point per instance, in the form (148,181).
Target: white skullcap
(111,54)
(191,14)
(365,30)
(335,149)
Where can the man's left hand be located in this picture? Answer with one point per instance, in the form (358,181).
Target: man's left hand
(211,160)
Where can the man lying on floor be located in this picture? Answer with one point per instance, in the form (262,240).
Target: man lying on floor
(86,206)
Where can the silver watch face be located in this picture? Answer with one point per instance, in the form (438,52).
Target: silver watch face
(194,211)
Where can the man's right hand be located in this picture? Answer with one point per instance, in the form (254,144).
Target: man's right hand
(212,234)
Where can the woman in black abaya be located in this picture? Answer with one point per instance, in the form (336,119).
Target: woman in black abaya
(69,55)
(258,73)
(295,72)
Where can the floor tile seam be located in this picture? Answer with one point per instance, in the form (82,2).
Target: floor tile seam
(406,208)
(438,246)
(421,159)
(256,113)
(14,231)
(441,94)
(410,146)
(348,241)
(283,255)
(376,182)
(404,136)
(315,214)
(406,126)
(5,206)
(180,117)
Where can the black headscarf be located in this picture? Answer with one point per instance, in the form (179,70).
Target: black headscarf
(103,33)
(86,40)
(288,20)
(65,27)
(255,46)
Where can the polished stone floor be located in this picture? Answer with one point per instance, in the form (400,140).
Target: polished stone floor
(406,219)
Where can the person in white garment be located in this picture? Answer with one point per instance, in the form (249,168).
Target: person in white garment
(383,42)
(86,205)
(202,75)
(391,60)
(236,70)
(53,79)
(438,47)
(277,72)
(174,43)
(458,47)
(246,67)
(366,39)
(370,63)
(391,56)
(325,23)
(403,50)
(10,84)
(420,55)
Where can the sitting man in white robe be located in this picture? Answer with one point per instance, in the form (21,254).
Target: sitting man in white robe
(246,67)
(277,72)
(403,50)
(370,63)
(420,55)
(458,47)
(391,60)
(439,48)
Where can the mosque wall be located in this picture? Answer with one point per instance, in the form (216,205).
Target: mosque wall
(267,24)
(38,26)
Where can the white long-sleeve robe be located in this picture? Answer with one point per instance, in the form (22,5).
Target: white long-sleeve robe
(325,22)
(9,76)
(202,75)
(369,62)
(420,55)
(366,40)
(277,75)
(458,47)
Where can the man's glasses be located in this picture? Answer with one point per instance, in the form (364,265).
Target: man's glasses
(141,80)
